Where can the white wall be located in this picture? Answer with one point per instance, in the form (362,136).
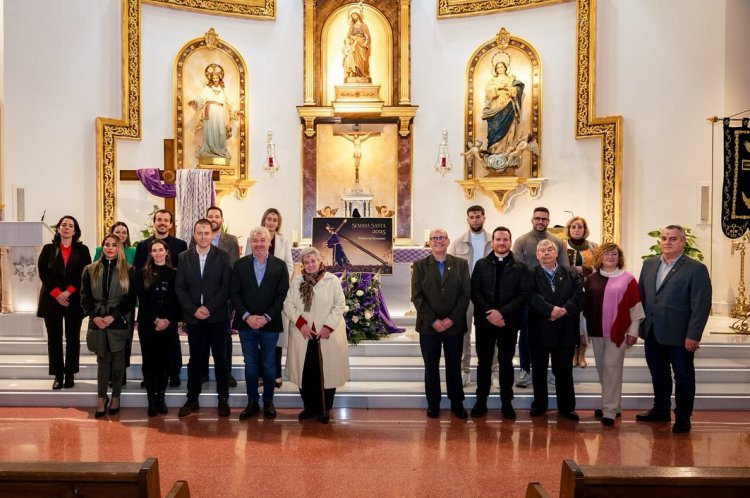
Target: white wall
(664,73)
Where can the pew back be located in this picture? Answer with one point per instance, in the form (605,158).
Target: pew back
(598,481)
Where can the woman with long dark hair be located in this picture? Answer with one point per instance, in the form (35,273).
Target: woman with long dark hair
(158,314)
(61,264)
(120,230)
(107,298)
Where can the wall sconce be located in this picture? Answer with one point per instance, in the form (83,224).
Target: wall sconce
(271,165)
(443,164)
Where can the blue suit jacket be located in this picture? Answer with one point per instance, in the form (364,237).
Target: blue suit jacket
(680,308)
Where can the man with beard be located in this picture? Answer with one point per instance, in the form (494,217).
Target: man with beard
(473,245)
(163,223)
(524,250)
(229,243)
(500,289)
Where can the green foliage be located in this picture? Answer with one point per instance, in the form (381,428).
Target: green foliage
(362,315)
(690,250)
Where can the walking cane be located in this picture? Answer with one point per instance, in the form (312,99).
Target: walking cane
(322,380)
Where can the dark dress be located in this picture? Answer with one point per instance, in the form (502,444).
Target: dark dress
(158,300)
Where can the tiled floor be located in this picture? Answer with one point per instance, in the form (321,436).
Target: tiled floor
(366,452)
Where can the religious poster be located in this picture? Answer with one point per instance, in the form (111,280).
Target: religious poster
(355,244)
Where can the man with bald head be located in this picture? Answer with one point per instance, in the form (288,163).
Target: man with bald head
(440,291)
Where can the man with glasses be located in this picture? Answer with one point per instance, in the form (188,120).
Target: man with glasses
(440,291)
(524,250)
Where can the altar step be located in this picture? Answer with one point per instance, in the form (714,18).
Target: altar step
(384,374)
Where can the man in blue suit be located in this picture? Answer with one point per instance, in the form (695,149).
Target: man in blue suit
(676,295)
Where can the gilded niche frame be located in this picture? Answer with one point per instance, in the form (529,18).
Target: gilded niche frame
(252,9)
(191,59)
(587,124)
(509,180)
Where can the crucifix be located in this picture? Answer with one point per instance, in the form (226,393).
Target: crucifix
(357,137)
(167,175)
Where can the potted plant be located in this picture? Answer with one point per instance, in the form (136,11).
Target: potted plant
(690,250)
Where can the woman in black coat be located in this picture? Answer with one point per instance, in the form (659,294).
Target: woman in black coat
(158,314)
(61,265)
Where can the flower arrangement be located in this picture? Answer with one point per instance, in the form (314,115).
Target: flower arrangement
(362,315)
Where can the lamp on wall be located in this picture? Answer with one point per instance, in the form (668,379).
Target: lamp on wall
(271,165)
(443,163)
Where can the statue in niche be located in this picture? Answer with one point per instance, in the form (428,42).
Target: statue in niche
(356,49)
(213,116)
(502,105)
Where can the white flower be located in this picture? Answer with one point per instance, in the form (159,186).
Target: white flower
(368,315)
(346,309)
(353,279)
(360,293)
(355,319)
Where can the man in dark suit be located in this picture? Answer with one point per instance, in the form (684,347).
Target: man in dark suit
(440,291)
(260,282)
(500,289)
(676,294)
(163,223)
(553,329)
(229,243)
(202,286)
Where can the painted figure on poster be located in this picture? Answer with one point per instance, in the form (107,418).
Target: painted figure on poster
(502,106)
(213,116)
(356,48)
(334,243)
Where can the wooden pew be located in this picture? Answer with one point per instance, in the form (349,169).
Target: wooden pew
(613,481)
(69,479)
(536,490)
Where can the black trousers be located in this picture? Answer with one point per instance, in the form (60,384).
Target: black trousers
(204,367)
(312,392)
(155,347)
(504,339)
(203,337)
(175,356)
(59,365)
(562,368)
(662,360)
(452,346)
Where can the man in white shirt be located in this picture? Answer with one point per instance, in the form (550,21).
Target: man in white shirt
(472,246)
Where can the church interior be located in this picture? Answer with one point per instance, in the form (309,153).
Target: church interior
(404,113)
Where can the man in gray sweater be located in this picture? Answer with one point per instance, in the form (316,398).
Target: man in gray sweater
(524,250)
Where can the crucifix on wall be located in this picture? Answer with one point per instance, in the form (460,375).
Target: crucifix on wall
(356,137)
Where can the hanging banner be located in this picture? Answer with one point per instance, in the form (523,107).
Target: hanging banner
(735,199)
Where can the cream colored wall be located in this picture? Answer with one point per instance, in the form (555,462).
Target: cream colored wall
(664,73)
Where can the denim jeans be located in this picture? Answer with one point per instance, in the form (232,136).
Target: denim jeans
(251,341)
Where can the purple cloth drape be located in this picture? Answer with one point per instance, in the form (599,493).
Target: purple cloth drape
(152,182)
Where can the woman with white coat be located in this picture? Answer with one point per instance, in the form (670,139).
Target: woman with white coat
(317,357)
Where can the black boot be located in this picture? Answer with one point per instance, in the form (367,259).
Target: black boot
(161,404)
(152,411)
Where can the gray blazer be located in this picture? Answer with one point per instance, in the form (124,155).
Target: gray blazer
(680,308)
(437,298)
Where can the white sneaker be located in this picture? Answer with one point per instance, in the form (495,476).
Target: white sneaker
(524,380)
(466,378)
(496,380)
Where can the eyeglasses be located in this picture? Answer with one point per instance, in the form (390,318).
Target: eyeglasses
(538,219)
(439,238)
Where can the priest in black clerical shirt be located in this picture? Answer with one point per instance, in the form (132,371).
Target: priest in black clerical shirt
(500,289)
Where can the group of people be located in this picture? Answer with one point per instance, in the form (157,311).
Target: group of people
(207,285)
(553,298)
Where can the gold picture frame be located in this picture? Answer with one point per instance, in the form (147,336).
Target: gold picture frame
(463,8)
(250,9)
